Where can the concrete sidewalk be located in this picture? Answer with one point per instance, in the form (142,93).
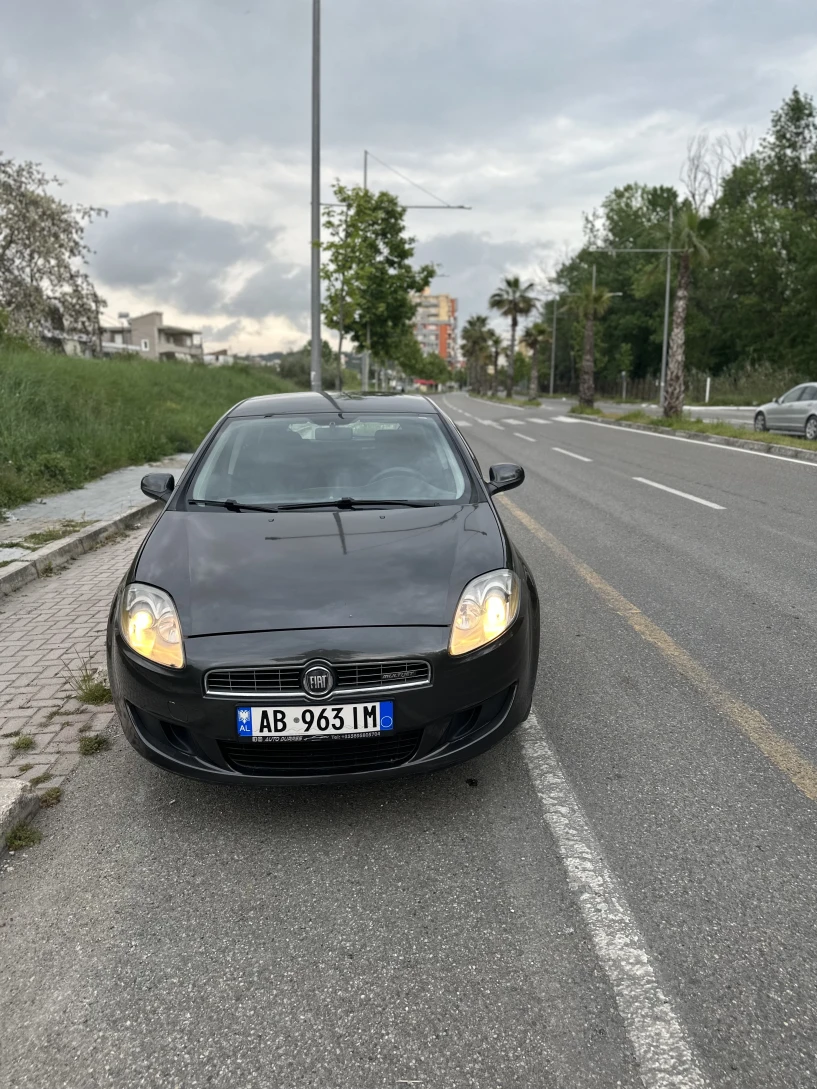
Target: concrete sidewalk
(105,498)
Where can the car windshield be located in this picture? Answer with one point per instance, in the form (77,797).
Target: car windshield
(267,461)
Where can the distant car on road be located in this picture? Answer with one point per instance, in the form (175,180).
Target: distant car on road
(795,412)
(328,595)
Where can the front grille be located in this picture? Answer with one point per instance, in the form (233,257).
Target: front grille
(327,756)
(286,680)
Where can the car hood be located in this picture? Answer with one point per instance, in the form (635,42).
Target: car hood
(245,572)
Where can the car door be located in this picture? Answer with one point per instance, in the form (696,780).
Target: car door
(782,415)
(804,407)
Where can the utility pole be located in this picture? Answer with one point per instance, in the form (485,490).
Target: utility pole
(315,367)
(665,348)
(553,345)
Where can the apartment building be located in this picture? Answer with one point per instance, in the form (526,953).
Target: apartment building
(435,325)
(148,335)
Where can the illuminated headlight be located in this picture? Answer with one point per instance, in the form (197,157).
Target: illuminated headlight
(487,608)
(150,625)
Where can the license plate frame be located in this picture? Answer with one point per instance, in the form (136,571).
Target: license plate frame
(311,722)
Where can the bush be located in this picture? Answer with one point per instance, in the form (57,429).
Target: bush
(67,420)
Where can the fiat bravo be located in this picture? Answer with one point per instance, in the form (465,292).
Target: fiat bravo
(329,594)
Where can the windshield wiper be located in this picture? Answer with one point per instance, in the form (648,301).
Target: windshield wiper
(234,505)
(346,503)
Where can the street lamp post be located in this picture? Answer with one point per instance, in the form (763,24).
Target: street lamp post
(315,366)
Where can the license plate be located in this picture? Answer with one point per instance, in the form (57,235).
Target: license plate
(306,723)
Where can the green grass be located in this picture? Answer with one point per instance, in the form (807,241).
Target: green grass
(586,410)
(21,836)
(713,427)
(89,687)
(23,743)
(53,533)
(38,780)
(50,797)
(24,768)
(66,421)
(92,744)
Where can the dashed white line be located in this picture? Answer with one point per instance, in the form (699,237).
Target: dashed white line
(490,423)
(565,419)
(536,420)
(674,491)
(527,438)
(515,422)
(665,1056)
(462,423)
(570,454)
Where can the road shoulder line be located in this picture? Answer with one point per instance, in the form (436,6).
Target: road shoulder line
(659,1040)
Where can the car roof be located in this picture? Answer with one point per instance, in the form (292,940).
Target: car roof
(306,403)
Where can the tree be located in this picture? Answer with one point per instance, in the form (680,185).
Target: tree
(513,300)
(496,348)
(591,303)
(476,350)
(368,271)
(690,231)
(536,334)
(44,288)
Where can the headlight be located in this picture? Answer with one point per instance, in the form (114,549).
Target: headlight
(150,625)
(487,608)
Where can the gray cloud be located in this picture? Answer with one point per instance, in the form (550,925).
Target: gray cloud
(173,252)
(276,289)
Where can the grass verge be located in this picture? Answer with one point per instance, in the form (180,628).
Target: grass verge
(528,403)
(90,685)
(585,410)
(66,421)
(713,427)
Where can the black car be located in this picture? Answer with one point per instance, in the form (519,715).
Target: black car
(328,595)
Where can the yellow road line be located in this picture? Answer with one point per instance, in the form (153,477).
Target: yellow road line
(785,756)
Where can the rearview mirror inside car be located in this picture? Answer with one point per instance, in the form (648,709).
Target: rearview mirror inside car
(504,477)
(158,485)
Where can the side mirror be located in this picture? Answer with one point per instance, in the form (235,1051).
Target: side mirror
(504,477)
(777,400)
(158,486)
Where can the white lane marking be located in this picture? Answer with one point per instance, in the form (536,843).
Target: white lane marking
(699,442)
(527,438)
(490,423)
(536,420)
(674,491)
(578,457)
(515,422)
(565,419)
(463,423)
(665,1056)
(516,408)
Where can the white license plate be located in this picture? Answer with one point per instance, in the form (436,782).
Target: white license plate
(283,723)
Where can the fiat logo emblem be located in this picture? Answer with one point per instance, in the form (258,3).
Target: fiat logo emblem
(317,681)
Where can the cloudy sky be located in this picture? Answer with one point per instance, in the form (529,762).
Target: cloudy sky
(189,121)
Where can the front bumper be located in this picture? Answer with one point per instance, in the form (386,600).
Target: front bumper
(470,704)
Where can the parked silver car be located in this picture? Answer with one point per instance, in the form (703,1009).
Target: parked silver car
(795,412)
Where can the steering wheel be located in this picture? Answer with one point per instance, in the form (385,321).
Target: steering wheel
(402,469)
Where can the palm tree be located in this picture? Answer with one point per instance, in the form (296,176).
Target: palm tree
(513,300)
(475,349)
(691,231)
(495,347)
(590,304)
(536,334)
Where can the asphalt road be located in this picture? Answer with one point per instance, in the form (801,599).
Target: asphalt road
(622,894)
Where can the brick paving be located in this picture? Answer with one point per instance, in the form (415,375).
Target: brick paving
(47,630)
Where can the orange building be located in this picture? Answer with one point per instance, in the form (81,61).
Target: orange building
(435,325)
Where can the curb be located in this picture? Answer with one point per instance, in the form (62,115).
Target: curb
(793,452)
(18,802)
(56,554)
